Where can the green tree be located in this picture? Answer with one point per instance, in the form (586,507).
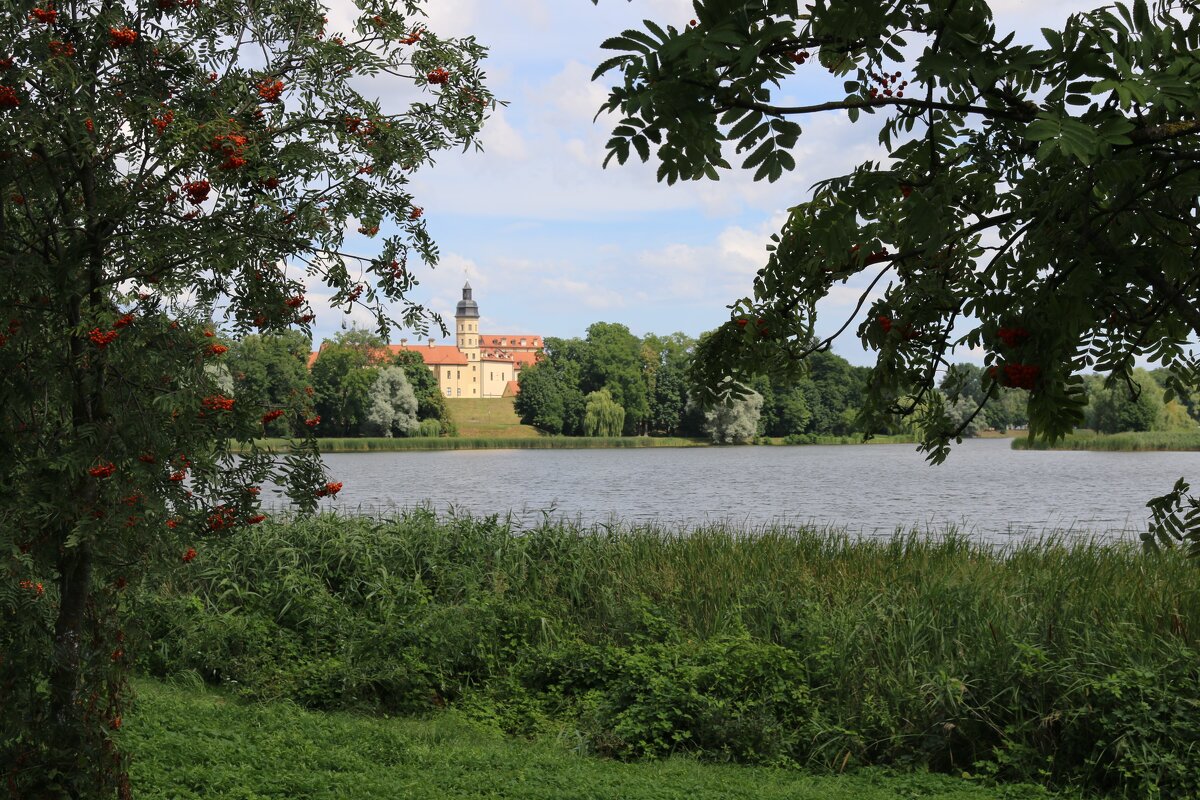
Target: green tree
(431,404)
(391,405)
(540,402)
(612,360)
(550,398)
(735,420)
(1035,201)
(1133,406)
(668,359)
(602,415)
(342,377)
(271,371)
(161,161)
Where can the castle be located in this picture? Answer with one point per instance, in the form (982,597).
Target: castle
(477,364)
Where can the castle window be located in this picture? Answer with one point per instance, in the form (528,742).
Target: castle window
(449,393)
(460,392)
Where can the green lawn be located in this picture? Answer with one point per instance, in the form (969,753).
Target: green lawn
(188,741)
(490,417)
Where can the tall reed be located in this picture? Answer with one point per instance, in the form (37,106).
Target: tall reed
(1114,442)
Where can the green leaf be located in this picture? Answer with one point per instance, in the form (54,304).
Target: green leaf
(1041,129)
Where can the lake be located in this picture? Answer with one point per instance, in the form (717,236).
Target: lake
(984,487)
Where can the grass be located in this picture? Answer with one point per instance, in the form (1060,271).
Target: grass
(775,646)
(1117,442)
(187,742)
(488,418)
(420,443)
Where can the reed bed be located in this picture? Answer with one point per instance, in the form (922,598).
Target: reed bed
(1069,660)
(421,443)
(1117,442)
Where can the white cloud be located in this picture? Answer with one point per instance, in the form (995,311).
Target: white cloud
(591,295)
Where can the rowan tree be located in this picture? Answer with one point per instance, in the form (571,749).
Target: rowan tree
(164,165)
(1038,201)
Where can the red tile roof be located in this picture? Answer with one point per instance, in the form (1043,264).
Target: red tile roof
(434,354)
(525,358)
(510,341)
(439,354)
(511,389)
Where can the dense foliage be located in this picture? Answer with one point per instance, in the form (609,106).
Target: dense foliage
(346,382)
(164,164)
(1070,663)
(651,373)
(825,399)
(1038,201)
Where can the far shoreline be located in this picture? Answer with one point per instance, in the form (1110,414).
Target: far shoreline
(435,443)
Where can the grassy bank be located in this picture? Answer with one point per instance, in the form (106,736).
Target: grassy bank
(1070,662)
(1129,441)
(420,443)
(488,418)
(192,742)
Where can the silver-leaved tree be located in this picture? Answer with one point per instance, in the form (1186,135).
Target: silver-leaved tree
(1037,201)
(164,164)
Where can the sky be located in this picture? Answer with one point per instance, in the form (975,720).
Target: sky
(552,242)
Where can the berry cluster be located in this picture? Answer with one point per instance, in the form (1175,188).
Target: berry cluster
(102,470)
(161,122)
(439,76)
(1015,376)
(329,490)
(197,191)
(45,15)
(63,49)
(222,518)
(232,146)
(797,56)
(270,90)
(8,97)
(271,416)
(886,85)
(187,558)
(1012,337)
(102,339)
(121,37)
(885,322)
(217,402)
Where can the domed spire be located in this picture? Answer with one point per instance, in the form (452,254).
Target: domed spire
(467,307)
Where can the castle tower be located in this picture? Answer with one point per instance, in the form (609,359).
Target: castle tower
(466,318)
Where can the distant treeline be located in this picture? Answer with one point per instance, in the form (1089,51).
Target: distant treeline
(613,383)
(355,387)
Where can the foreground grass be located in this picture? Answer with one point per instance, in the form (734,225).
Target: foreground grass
(1117,442)
(1068,662)
(190,742)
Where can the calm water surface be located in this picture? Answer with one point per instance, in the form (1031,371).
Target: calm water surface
(984,486)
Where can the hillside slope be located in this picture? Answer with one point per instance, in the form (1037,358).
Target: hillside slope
(489,418)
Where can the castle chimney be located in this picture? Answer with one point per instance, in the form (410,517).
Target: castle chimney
(431,341)
(404,342)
